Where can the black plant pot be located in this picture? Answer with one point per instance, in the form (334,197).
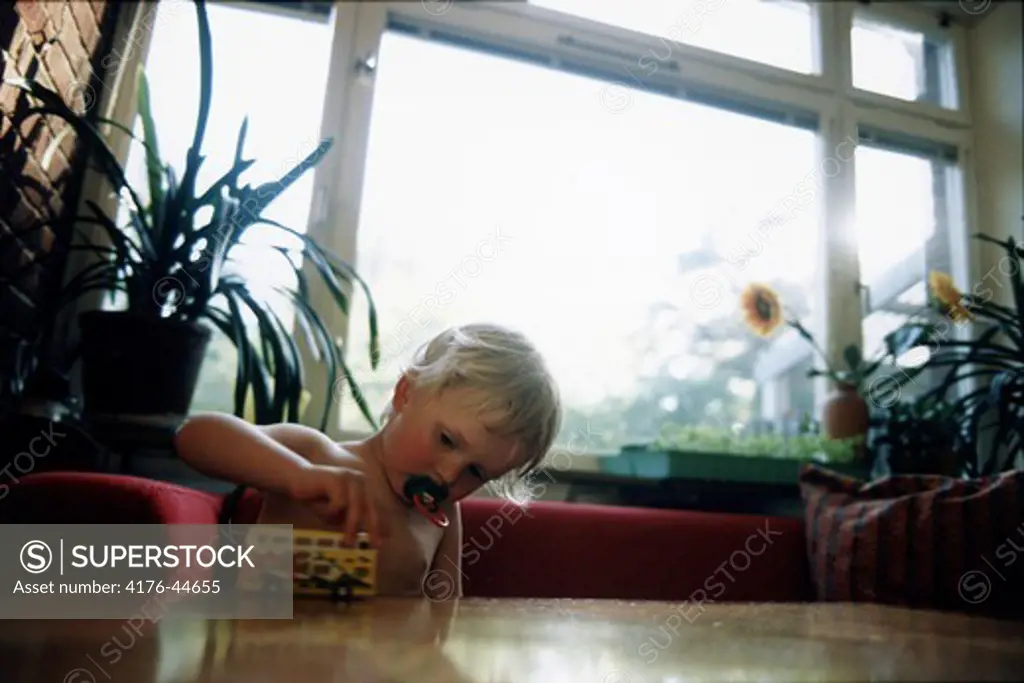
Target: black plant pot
(139,365)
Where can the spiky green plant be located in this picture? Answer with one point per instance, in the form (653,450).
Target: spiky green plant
(982,376)
(172,261)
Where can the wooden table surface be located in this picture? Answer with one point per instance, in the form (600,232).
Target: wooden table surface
(525,641)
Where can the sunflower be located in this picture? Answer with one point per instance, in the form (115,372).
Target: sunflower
(761,309)
(946,293)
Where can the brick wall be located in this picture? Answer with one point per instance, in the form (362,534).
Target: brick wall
(62,43)
(58,42)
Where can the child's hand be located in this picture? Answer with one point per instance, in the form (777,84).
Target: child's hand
(340,494)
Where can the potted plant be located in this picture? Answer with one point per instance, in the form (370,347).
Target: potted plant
(919,436)
(845,414)
(983,376)
(172,256)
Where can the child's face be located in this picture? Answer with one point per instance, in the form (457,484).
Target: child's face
(442,436)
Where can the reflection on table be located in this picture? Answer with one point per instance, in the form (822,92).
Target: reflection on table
(533,641)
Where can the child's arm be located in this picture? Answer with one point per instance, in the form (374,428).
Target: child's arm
(444,578)
(287,459)
(267,458)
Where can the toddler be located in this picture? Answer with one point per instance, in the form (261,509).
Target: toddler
(477,405)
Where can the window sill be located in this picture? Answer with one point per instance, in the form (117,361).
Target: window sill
(697,481)
(698,466)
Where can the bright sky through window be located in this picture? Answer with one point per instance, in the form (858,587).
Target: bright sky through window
(497,190)
(600,211)
(887,60)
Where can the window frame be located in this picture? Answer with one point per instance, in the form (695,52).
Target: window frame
(954,75)
(826,100)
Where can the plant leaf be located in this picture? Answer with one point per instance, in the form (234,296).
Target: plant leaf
(278,343)
(871,367)
(234,329)
(256,201)
(229,179)
(329,266)
(240,144)
(128,250)
(371,307)
(124,129)
(194,158)
(154,164)
(93,139)
(319,261)
(357,394)
(51,149)
(256,369)
(320,341)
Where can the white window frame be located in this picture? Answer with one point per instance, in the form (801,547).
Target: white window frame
(829,97)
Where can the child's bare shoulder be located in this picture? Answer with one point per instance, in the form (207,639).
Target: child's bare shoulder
(348,455)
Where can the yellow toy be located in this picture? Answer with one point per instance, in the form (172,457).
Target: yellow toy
(323,566)
(320,564)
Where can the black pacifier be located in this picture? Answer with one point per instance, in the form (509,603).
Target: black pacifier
(426,496)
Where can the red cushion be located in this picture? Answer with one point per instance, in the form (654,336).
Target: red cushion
(576,550)
(549,549)
(920,541)
(92,498)
(595,551)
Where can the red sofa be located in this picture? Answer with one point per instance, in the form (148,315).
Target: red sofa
(548,549)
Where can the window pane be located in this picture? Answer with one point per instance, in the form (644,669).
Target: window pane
(895,208)
(793,402)
(875,328)
(733,27)
(619,244)
(900,63)
(278,136)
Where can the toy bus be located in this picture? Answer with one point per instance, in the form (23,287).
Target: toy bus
(320,565)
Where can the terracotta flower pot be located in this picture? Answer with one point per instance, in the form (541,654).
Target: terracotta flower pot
(845,414)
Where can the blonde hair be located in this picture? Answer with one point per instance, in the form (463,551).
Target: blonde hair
(520,394)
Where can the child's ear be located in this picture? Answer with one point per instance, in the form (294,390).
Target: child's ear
(401,395)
